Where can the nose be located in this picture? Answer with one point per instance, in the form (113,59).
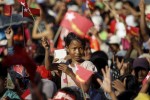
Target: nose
(77,51)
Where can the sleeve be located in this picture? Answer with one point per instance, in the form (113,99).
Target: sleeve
(89,66)
(142,96)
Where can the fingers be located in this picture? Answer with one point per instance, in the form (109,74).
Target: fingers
(103,72)
(45,42)
(55,60)
(99,81)
(124,81)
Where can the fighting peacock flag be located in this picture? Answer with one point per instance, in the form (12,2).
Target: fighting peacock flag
(82,74)
(76,23)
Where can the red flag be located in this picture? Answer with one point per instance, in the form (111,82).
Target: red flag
(26,95)
(148,16)
(125,44)
(27,12)
(146,78)
(76,23)
(23,2)
(7,10)
(133,30)
(94,44)
(61,42)
(82,74)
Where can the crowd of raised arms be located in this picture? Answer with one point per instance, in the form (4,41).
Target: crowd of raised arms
(75,50)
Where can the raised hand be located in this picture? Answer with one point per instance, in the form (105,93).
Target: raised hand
(45,43)
(142,5)
(9,33)
(106,83)
(65,69)
(119,86)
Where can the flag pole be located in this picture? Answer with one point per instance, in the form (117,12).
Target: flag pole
(23,30)
(57,34)
(10,17)
(34,19)
(82,91)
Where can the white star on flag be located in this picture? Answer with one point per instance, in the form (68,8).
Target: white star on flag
(147,77)
(25,9)
(22,3)
(70,16)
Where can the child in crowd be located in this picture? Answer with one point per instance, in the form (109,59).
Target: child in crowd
(75,49)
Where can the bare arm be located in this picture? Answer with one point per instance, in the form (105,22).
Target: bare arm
(38,35)
(143,26)
(69,72)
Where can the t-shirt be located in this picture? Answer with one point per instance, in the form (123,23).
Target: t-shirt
(11,94)
(66,80)
(142,96)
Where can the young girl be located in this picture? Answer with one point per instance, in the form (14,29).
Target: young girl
(75,49)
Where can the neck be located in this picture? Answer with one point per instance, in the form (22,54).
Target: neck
(73,62)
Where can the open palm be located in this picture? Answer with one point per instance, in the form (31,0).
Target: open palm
(106,83)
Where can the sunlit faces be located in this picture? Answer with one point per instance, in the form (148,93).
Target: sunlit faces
(76,50)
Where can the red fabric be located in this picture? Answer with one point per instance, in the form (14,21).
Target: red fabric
(43,72)
(94,44)
(31,11)
(133,31)
(125,44)
(7,10)
(21,57)
(78,24)
(23,2)
(146,78)
(25,94)
(83,74)
(148,16)
(113,26)
(90,3)
(60,44)
(27,34)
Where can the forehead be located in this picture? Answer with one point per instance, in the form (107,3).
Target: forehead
(75,43)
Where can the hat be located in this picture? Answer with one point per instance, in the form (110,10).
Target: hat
(121,53)
(49,88)
(141,63)
(130,21)
(114,39)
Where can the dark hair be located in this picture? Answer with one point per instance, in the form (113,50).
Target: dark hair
(72,36)
(131,82)
(3,72)
(126,95)
(73,92)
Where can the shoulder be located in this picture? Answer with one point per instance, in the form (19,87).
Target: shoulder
(89,65)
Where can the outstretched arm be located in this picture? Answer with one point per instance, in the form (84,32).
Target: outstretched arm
(37,34)
(143,26)
(9,35)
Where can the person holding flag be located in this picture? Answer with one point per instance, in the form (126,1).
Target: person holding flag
(76,71)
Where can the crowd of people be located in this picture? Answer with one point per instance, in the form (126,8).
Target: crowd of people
(115,50)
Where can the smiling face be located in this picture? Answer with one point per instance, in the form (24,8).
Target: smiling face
(141,74)
(75,50)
